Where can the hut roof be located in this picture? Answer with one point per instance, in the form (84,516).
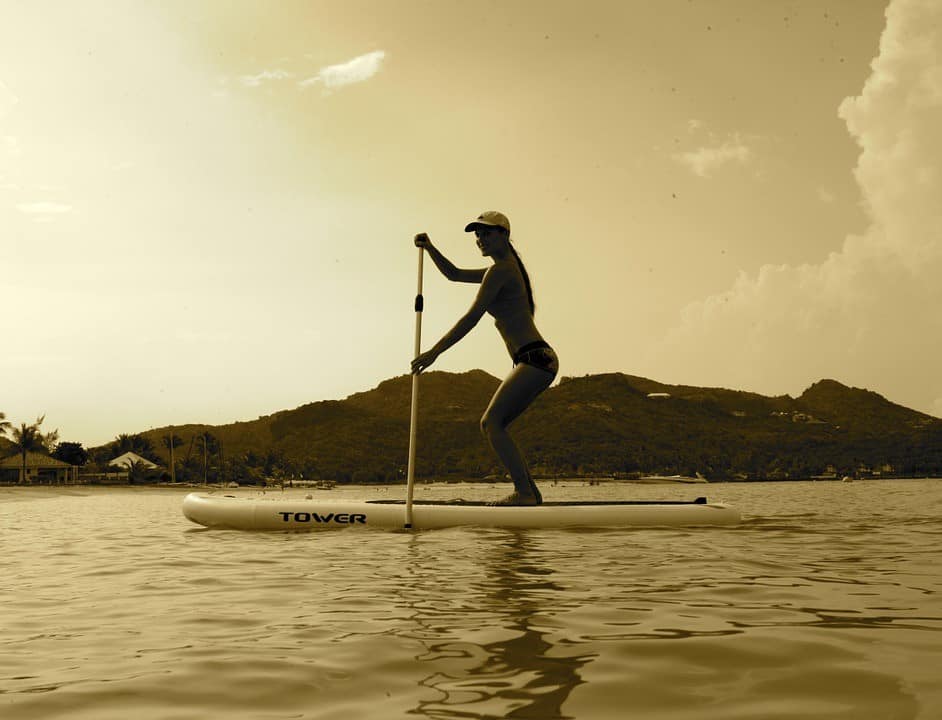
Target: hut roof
(129,458)
(33,460)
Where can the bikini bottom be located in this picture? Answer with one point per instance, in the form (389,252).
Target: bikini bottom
(539,355)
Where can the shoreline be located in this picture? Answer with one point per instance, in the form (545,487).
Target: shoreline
(83,488)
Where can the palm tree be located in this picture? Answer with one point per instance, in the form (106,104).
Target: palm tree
(137,471)
(122,444)
(138,444)
(5,425)
(170,442)
(29,438)
(208,444)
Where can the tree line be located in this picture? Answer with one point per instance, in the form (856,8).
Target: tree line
(201,458)
(596,425)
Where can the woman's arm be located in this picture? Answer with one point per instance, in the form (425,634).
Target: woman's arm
(494,279)
(445,266)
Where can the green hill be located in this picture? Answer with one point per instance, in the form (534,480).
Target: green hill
(597,424)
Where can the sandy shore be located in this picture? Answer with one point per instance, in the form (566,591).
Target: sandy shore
(12,493)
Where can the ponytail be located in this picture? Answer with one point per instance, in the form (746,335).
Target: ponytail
(526,278)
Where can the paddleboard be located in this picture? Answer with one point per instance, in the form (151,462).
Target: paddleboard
(272,513)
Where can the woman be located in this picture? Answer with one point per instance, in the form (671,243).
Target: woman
(505,293)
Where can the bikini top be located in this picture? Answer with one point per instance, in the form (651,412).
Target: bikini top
(512,316)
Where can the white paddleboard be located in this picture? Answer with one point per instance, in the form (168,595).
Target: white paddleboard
(272,513)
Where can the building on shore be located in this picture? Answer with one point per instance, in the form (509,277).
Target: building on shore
(128,459)
(40,469)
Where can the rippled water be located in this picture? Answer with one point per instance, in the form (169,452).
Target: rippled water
(824,603)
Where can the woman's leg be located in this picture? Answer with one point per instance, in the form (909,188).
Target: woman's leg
(519,389)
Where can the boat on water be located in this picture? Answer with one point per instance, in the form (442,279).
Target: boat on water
(271,513)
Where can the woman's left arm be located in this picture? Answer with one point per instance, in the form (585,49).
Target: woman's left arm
(494,280)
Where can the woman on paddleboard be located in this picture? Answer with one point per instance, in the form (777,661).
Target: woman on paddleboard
(505,294)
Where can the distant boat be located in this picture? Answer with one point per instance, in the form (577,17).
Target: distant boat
(672,479)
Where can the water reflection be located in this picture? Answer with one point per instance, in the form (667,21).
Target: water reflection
(527,672)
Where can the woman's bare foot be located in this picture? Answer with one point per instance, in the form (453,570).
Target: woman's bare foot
(516,499)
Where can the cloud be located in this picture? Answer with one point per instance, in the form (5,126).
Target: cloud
(264,77)
(10,145)
(44,208)
(868,314)
(825,196)
(704,161)
(356,70)
(7,99)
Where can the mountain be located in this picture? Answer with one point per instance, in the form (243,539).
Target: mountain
(611,423)
(859,408)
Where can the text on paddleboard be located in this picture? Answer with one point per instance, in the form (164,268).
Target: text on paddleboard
(340,518)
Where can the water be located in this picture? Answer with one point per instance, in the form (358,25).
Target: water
(824,603)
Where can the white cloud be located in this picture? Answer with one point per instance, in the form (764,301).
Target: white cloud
(265,76)
(356,70)
(825,196)
(869,314)
(44,208)
(10,145)
(7,99)
(705,160)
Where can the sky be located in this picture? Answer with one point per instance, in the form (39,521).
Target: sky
(207,207)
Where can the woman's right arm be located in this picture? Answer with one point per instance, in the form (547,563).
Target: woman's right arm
(445,266)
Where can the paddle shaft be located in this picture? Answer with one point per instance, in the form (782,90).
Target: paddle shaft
(413,417)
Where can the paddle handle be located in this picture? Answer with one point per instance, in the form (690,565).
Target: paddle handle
(413,415)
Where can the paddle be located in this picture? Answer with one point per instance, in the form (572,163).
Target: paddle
(410,478)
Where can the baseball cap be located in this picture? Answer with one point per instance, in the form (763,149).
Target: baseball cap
(489,218)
